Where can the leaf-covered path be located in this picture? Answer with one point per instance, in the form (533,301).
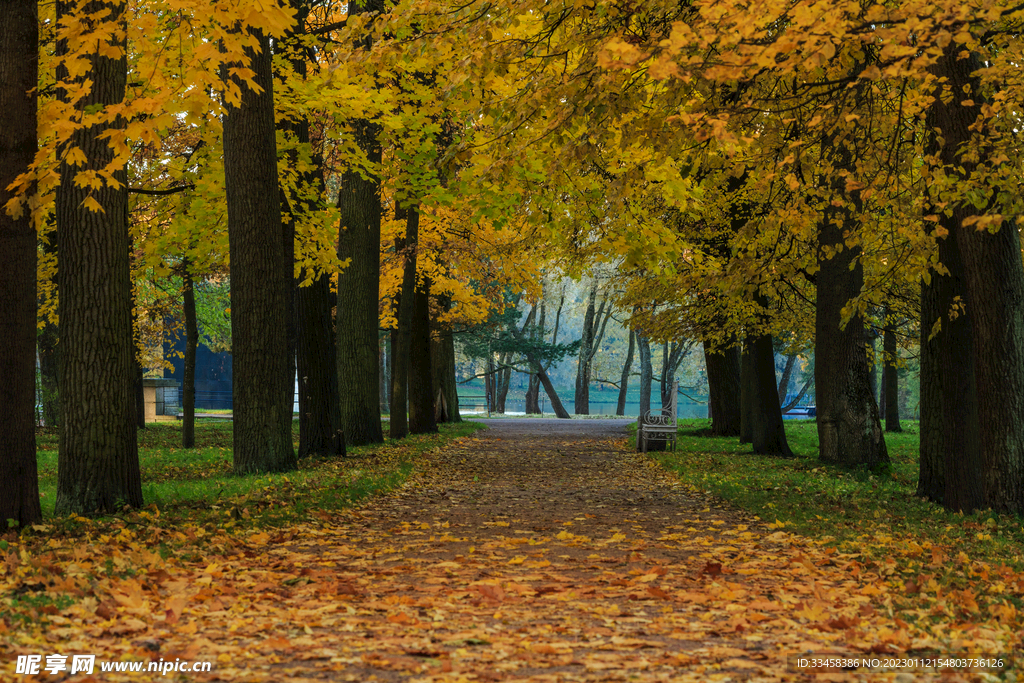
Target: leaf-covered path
(540,550)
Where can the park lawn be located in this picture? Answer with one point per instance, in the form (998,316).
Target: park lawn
(197,485)
(868,513)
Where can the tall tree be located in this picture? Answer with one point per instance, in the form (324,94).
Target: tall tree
(849,430)
(261,386)
(98,461)
(993,278)
(19,70)
(359,283)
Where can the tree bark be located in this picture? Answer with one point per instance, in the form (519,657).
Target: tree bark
(849,430)
(19,69)
(724,369)
(627,367)
(188,380)
(533,388)
(993,279)
(422,419)
(98,462)
(261,387)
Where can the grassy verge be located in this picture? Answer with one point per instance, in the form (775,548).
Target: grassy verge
(840,506)
(197,484)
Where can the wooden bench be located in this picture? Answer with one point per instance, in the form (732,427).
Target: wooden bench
(660,424)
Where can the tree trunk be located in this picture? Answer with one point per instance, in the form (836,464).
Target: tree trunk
(442,353)
(627,367)
(402,341)
(646,373)
(724,388)
(787,378)
(19,68)
(849,431)
(49,360)
(384,367)
(358,285)
(890,377)
(502,382)
(261,387)
(311,338)
(188,380)
(422,418)
(768,435)
(993,279)
(581,398)
(747,390)
(320,433)
(549,389)
(98,462)
(489,383)
(533,388)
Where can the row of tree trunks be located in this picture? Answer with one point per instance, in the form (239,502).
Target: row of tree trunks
(19,49)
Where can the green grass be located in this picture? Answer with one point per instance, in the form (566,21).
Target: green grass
(198,483)
(835,504)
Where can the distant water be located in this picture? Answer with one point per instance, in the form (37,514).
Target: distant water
(597,407)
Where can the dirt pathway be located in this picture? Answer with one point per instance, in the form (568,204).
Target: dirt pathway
(541,550)
(545,550)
